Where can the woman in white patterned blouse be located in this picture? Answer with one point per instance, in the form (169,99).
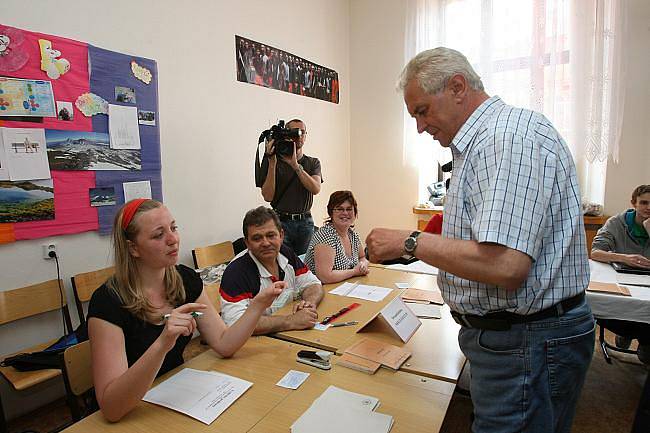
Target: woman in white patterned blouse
(334,253)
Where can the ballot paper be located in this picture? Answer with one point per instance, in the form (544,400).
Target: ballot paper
(418,267)
(424,311)
(353,413)
(361,291)
(203,395)
(293,379)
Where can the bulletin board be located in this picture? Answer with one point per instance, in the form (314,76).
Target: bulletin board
(87,167)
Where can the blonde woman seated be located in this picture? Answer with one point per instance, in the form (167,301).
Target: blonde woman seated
(141,319)
(334,253)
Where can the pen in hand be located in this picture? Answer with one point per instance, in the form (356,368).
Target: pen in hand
(195,314)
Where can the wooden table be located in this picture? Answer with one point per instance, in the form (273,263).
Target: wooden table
(434,345)
(266,407)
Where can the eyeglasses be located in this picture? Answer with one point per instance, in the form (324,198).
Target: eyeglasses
(343,209)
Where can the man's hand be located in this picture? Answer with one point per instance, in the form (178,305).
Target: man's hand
(266,296)
(303,304)
(303,319)
(636,260)
(292,160)
(386,244)
(270,148)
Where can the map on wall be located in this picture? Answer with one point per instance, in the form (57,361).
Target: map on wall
(33,98)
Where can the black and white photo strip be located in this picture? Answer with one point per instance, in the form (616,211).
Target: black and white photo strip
(267,66)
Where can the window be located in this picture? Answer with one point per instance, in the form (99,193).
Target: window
(557,57)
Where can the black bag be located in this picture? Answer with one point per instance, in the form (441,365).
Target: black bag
(49,357)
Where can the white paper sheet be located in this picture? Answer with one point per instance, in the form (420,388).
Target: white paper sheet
(293,379)
(361,291)
(141,189)
(353,413)
(123,127)
(418,267)
(25,153)
(425,311)
(203,395)
(4,170)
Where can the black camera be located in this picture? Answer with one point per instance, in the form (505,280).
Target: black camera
(283,138)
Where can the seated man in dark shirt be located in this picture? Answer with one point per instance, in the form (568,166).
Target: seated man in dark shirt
(624,239)
(265,262)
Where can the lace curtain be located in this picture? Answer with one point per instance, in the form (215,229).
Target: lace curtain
(562,58)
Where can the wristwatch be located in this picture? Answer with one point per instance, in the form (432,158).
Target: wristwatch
(411,243)
(300,168)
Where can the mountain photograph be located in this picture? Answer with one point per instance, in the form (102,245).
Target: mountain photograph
(78,150)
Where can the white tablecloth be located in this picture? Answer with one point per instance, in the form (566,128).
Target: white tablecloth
(635,308)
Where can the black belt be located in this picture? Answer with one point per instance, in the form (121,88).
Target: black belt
(292,216)
(502,320)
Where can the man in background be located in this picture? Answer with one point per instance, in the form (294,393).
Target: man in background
(289,183)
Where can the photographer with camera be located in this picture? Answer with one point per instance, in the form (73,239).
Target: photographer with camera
(289,180)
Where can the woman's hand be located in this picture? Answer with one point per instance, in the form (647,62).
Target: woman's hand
(180,322)
(266,296)
(361,268)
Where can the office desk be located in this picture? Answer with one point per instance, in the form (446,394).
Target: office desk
(635,308)
(266,407)
(434,345)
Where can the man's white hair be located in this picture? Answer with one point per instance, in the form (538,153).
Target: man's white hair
(433,68)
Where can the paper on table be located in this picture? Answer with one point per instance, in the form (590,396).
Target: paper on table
(141,189)
(383,353)
(418,267)
(614,289)
(633,279)
(123,127)
(25,153)
(361,291)
(354,413)
(203,395)
(293,379)
(402,285)
(429,311)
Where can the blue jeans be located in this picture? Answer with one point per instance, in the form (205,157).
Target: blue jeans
(529,378)
(298,233)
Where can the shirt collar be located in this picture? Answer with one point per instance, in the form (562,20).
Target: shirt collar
(470,128)
(264,273)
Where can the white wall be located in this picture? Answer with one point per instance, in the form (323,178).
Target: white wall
(386,183)
(209,122)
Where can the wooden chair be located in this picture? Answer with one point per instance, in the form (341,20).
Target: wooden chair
(78,380)
(213,254)
(27,302)
(85,284)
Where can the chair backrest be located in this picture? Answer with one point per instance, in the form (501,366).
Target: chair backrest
(85,284)
(32,300)
(78,367)
(213,254)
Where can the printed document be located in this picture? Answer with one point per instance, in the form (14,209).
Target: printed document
(203,395)
(361,291)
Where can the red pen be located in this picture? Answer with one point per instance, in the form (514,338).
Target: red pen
(339,313)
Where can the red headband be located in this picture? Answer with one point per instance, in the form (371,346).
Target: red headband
(129,210)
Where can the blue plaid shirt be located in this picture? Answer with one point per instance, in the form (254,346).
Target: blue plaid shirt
(514,183)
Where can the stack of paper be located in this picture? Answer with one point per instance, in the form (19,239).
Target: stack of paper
(424,296)
(382,353)
(419,267)
(203,395)
(338,410)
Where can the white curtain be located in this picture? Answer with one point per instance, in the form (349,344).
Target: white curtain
(562,58)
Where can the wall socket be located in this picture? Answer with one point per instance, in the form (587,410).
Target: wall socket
(47,249)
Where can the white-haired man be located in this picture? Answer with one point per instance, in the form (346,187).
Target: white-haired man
(512,254)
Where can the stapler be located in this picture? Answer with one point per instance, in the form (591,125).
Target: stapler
(319,358)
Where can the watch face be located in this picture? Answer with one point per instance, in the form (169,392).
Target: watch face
(410,244)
